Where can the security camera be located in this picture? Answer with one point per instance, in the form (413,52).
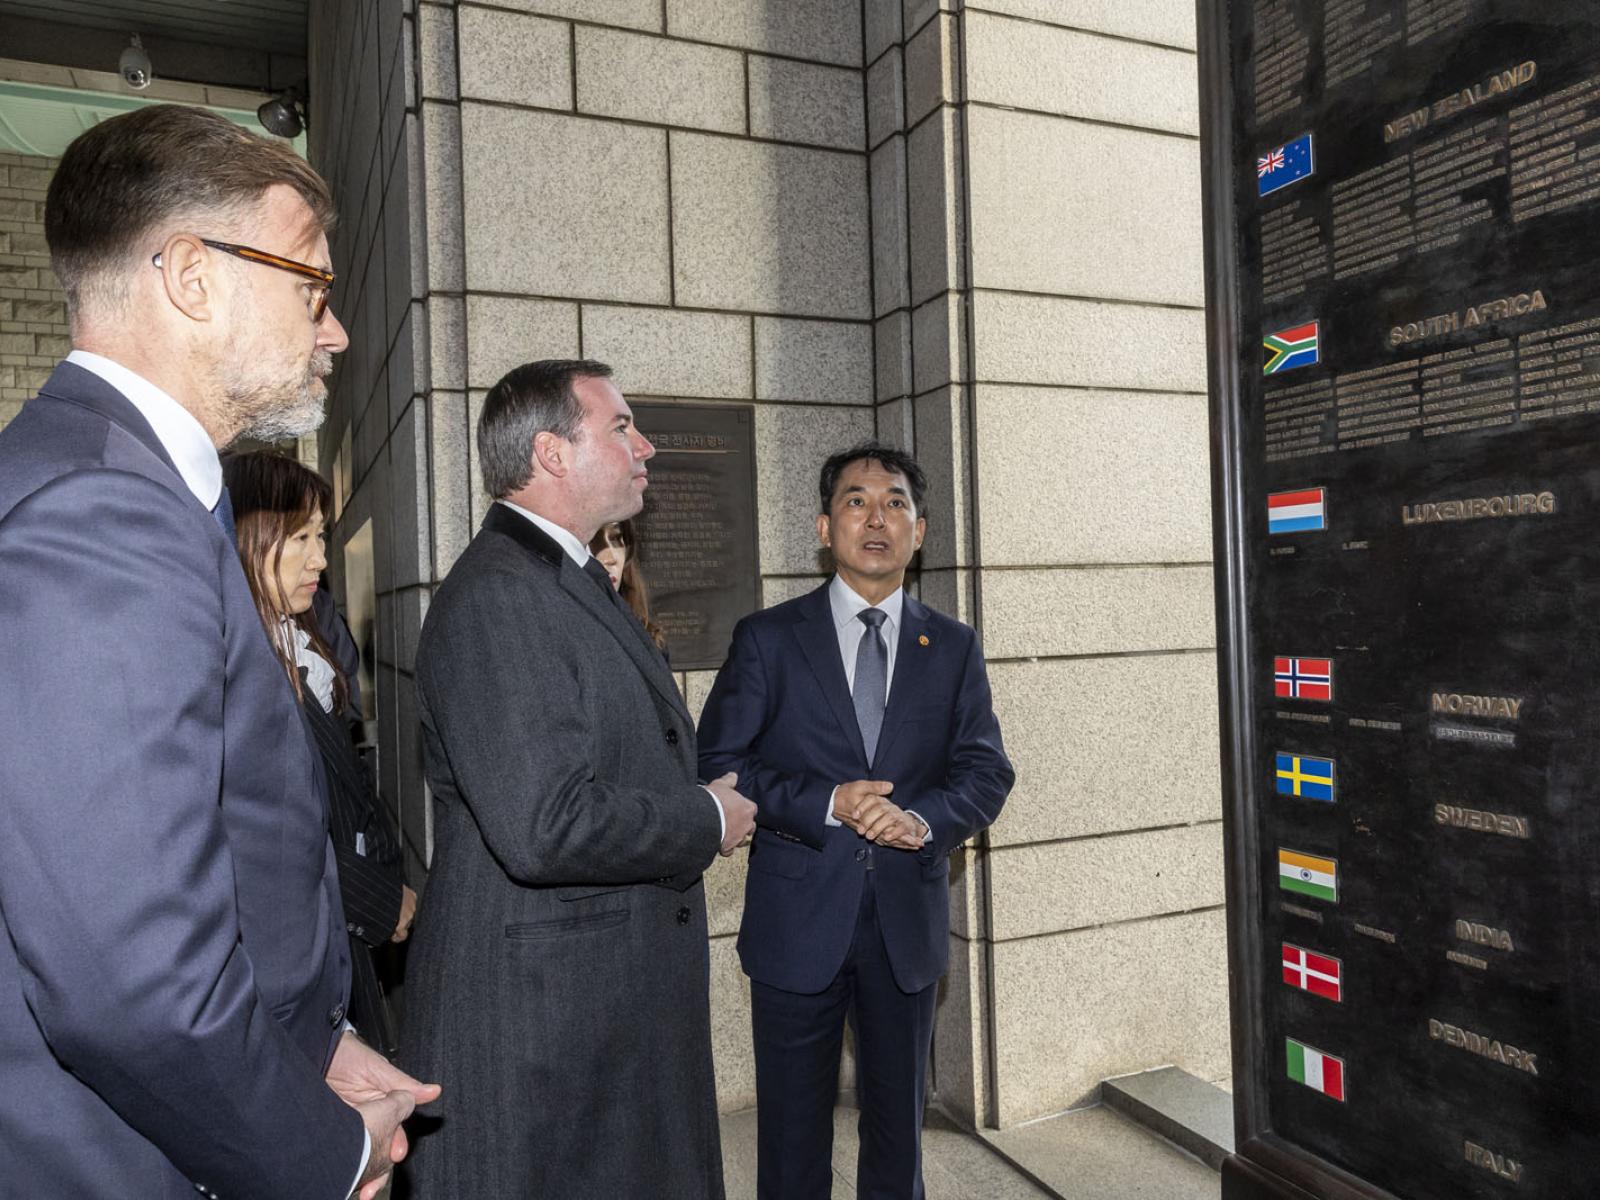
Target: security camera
(134,66)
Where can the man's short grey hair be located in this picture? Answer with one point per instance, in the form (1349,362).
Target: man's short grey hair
(534,398)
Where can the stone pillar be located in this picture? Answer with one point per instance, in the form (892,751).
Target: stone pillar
(1105,933)
(33,309)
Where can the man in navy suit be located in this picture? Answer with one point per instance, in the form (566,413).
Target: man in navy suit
(173,963)
(860,723)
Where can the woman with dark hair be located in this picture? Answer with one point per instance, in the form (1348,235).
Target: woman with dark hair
(279,510)
(617,548)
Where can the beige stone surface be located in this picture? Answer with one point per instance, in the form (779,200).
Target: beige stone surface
(891,262)
(436,52)
(534,225)
(507,331)
(1024,64)
(659,80)
(630,14)
(1096,610)
(1038,889)
(950,591)
(732,1053)
(820,30)
(892,338)
(447,344)
(450,476)
(725,882)
(666,352)
(515,58)
(768,228)
(895,427)
(886,97)
(941,441)
(1166,22)
(933,64)
(1087,343)
(1098,1154)
(882,20)
(1049,215)
(937,336)
(1118,476)
(778,589)
(791,442)
(802,102)
(933,176)
(959,1033)
(826,362)
(1078,730)
(1072,1009)
(442,196)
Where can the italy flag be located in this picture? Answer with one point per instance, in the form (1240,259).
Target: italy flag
(1308,875)
(1318,1071)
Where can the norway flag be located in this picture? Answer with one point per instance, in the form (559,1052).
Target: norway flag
(1302,678)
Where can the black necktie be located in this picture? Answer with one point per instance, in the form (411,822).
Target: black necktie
(223,512)
(596,572)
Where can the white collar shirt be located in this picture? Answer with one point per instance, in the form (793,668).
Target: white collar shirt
(183,437)
(565,538)
(847,605)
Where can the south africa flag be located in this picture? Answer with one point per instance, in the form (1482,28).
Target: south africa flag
(1291,348)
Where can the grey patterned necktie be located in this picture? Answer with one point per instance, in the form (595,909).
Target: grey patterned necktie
(872,678)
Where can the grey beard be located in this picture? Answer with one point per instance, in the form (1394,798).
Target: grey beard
(274,414)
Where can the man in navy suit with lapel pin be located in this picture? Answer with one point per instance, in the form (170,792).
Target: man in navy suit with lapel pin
(860,723)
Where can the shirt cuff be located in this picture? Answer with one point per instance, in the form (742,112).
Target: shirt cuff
(925,825)
(722,817)
(366,1153)
(830,819)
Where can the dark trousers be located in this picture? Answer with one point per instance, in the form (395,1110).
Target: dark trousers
(798,1041)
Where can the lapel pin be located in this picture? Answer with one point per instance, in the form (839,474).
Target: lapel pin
(922,640)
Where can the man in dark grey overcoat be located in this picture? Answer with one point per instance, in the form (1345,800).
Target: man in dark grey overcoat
(558,985)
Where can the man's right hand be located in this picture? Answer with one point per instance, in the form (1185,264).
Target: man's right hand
(849,799)
(738,813)
(382,1118)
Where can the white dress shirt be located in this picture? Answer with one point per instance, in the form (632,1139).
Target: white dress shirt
(192,451)
(581,554)
(847,605)
(184,439)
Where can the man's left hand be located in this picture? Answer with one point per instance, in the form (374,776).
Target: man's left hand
(882,821)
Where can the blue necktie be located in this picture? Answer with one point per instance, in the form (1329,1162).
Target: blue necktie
(223,512)
(872,679)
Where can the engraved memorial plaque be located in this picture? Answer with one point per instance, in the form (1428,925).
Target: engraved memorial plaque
(1403,253)
(697,534)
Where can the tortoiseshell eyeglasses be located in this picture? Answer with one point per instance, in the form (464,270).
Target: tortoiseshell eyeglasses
(323,279)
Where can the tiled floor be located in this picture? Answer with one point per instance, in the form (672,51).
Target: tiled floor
(1088,1155)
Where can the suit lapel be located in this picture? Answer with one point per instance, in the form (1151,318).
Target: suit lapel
(819,641)
(587,594)
(910,669)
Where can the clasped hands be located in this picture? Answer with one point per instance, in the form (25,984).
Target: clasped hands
(864,806)
(384,1095)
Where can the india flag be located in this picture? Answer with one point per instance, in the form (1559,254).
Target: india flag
(1318,1071)
(1308,875)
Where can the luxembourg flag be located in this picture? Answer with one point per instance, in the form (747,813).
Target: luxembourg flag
(1318,1071)
(1298,512)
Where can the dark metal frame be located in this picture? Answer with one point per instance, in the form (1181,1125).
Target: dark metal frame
(1264,1166)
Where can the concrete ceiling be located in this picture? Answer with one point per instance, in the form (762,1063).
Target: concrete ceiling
(278,26)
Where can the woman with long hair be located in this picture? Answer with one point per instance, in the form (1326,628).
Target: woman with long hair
(617,547)
(280,508)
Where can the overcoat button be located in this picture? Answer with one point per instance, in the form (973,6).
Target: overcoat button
(861,856)
(336,1015)
(672,737)
(683,916)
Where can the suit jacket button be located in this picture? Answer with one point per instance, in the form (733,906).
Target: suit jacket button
(683,916)
(861,856)
(336,1015)
(672,737)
